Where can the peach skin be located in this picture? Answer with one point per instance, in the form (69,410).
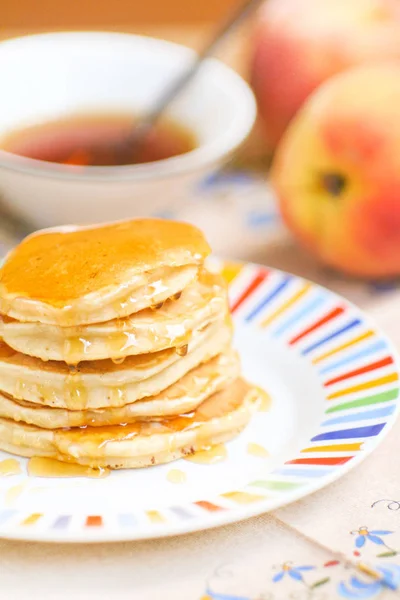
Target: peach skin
(299,44)
(337,172)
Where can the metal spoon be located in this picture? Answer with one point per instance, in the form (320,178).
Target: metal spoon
(134,140)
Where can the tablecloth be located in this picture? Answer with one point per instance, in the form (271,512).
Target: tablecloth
(341,542)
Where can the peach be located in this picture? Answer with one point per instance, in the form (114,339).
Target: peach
(337,172)
(298,44)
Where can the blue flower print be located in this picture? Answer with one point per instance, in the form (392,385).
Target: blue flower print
(363,534)
(358,589)
(292,571)
(355,588)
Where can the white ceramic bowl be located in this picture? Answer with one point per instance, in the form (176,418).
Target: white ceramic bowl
(52,75)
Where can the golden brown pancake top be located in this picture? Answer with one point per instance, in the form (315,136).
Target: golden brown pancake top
(57,266)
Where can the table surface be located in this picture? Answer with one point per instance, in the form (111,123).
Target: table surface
(303,551)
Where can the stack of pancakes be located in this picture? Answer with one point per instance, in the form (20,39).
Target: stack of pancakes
(116,347)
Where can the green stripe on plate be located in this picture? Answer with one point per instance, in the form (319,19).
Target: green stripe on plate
(276,486)
(376,399)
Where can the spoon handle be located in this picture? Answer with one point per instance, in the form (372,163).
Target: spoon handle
(140,131)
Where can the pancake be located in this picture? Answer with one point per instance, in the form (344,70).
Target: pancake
(182,397)
(72,276)
(104,383)
(149,330)
(218,419)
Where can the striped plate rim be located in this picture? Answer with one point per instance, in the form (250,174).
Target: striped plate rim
(359,373)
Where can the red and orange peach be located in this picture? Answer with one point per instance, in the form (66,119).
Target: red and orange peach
(337,172)
(299,44)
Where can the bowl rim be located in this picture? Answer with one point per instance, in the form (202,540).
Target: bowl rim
(197,159)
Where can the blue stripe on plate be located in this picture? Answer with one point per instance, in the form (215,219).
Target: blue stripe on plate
(62,522)
(5,515)
(265,301)
(367,351)
(344,434)
(332,336)
(310,306)
(314,472)
(127,520)
(377,413)
(181,512)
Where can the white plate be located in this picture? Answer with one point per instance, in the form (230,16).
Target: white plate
(333,380)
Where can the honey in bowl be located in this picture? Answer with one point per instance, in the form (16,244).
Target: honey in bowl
(95,140)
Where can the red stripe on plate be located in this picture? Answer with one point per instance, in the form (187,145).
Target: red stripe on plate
(328,460)
(257,280)
(208,506)
(94,521)
(328,317)
(372,367)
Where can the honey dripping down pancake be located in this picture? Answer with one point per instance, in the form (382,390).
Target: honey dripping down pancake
(73,276)
(181,397)
(217,420)
(202,302)
(101,384)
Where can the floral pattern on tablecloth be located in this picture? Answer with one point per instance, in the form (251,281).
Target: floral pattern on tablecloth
(373,571)
(332,579)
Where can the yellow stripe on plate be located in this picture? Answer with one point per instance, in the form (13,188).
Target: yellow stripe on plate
(155,516)
(32,519)
(364,386)
(243,497)
(335,448)
(353,342)
(286,305)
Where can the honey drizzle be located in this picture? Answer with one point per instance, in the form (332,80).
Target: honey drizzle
(257,450)
(161,304)
(19,389)
(9,466)
(265,399)
(25,390)
(94,440)
(75,391)
(50,467)
(47,393)
(75,349)
(117,343)
(182,350)
(157,306)
(176,476)
(209,456)
(118,361)
(117,396)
